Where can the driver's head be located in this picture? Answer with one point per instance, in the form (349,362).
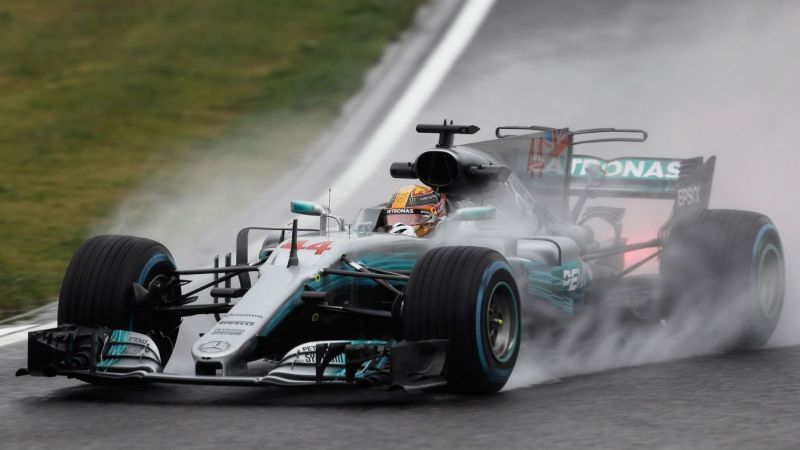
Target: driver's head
(414,210)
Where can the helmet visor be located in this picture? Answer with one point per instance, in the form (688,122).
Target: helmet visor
(416,218)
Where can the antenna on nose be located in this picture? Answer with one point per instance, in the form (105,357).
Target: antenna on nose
(293,249)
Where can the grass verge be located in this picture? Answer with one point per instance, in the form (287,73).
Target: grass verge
(97,96)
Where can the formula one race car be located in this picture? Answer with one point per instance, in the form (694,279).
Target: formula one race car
(517,254)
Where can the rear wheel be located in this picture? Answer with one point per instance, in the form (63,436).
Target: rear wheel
(723,270)
(97,289)
(468,296)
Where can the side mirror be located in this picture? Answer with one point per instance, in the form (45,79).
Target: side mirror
(473,213)
(306,208)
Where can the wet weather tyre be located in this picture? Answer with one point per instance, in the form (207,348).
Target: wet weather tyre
(468,296)
(725,268)
(97,289)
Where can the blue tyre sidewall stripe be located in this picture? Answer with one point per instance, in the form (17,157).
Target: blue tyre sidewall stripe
(493,373)
(155,259)
(755,266)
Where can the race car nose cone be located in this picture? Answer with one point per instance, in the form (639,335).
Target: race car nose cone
(214,347)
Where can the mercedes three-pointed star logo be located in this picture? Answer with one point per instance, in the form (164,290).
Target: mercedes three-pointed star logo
(214,347)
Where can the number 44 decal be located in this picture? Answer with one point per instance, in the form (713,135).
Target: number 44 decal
(571,279)
(318,247)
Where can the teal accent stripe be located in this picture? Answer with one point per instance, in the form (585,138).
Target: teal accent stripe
(115,349)
(283,311)
(546,283)
(400,261)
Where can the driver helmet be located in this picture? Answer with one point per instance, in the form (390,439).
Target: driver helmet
(414,210)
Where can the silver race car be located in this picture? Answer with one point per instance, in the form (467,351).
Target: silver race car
(509,250)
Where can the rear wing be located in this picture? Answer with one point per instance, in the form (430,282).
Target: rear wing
(545,163)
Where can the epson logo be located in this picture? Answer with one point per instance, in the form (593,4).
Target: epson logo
(688,196)
(400,211)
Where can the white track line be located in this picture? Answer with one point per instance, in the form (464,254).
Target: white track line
(22,335)
(388,133)
(5,331)
(417,94)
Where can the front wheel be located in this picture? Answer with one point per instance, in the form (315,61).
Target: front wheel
(97,289)
(468,296)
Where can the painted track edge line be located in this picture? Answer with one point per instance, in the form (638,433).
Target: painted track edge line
(22,335)
(414,98)
(383,140)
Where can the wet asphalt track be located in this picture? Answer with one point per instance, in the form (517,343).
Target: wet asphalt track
(532,62)
(747,400)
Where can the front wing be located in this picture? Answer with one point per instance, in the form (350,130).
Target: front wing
(105,355)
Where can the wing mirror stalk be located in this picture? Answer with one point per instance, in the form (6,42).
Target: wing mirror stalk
(315,209)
